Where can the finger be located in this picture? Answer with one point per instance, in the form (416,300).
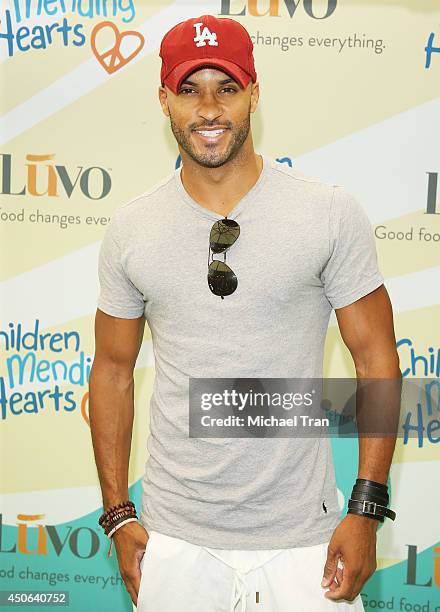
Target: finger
(329,569)
(356,578)
(346,588)
(132,584)
(133,595)
(338,579)
(136,582)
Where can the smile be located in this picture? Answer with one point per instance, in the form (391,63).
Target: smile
(210,135)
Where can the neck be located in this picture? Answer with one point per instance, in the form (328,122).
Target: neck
(219,189)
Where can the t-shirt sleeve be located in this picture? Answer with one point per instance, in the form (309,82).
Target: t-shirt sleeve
(118,296)
(352,269)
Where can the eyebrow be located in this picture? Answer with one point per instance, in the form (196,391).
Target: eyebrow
(187,82)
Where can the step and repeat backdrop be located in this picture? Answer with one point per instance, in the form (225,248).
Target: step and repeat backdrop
(349,93)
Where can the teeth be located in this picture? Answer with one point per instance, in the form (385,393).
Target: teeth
(210,133)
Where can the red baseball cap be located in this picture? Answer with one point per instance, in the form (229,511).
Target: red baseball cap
(206,41)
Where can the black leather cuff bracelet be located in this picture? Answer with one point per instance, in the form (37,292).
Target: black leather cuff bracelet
(371,509)
(372,483)
(360,496)
(372,492)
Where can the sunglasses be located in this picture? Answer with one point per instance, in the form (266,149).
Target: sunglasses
(221,279)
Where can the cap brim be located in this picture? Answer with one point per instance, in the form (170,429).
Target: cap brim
(176,76)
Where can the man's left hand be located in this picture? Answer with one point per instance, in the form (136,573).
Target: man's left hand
(353,543)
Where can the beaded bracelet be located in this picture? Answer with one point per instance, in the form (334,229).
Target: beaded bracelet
(109,526)
(114,509)
(116,516)
(111,519)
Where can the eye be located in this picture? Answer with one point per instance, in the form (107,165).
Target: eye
(188,90)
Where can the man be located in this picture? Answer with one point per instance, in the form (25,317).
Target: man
(227,521)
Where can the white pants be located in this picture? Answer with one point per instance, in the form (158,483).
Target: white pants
(177,576)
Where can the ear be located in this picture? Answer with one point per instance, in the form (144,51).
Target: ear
(255,94)
(163,99)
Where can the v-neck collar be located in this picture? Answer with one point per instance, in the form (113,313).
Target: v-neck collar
(205,212)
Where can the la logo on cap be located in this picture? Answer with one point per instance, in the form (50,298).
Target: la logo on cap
(206,35)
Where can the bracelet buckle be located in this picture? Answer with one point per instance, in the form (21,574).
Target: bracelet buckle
(370,504)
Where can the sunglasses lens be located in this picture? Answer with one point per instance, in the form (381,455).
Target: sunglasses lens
(223,234)
(221,279)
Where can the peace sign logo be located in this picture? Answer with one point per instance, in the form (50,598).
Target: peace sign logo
(114,59)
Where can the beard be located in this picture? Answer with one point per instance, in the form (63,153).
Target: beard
(213,156)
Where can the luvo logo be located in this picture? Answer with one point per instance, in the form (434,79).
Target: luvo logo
(313,9)
(82,542)
(49,176)
(411,572)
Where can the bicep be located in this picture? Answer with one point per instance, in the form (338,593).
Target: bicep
(367,328)
(117,341)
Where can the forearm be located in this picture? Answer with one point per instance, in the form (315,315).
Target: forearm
(375,457)
(111,412)
(379,412)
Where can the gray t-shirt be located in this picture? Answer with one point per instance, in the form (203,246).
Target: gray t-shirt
(304,248)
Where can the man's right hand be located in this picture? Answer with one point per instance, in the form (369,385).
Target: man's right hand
(130,542)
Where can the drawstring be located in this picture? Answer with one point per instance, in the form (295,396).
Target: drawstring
(240,591)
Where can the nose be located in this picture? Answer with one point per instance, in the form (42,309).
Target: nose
(209,107)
